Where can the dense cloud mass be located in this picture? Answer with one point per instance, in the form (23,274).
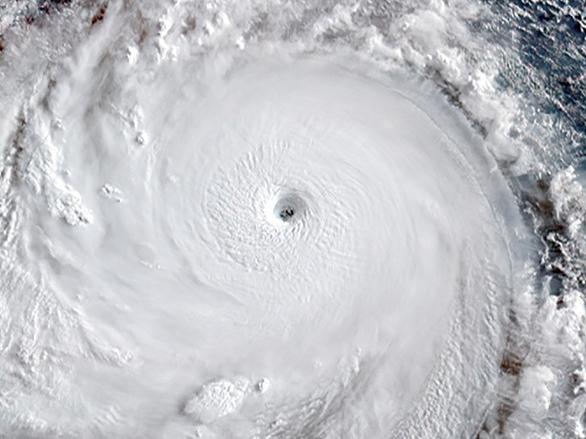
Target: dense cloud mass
(284,220)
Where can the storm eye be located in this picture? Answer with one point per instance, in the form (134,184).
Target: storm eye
(287,213)
(288,208)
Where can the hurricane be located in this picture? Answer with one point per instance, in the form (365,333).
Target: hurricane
(290,219)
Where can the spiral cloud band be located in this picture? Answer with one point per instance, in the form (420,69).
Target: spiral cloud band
(294,242)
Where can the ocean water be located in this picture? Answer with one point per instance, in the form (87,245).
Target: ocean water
(292,219)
